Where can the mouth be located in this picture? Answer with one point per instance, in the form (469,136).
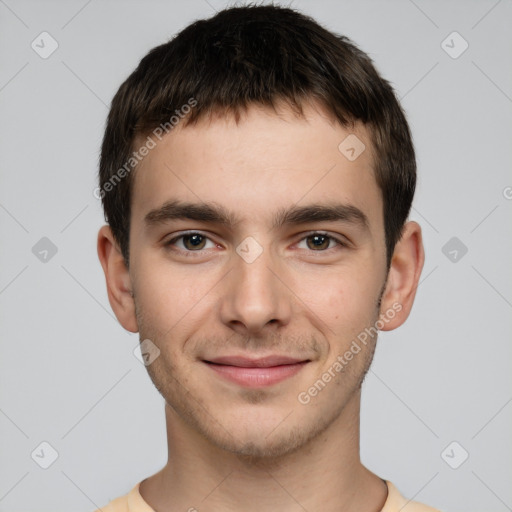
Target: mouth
(256,373)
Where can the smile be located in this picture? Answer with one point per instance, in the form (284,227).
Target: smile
(256,373)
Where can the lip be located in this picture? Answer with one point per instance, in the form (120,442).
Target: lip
(256,372)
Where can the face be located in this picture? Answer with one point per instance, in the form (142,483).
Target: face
(257,256)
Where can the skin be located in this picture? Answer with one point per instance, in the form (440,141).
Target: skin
(231,447)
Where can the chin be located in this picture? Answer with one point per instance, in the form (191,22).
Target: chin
(261,450)
(256,445)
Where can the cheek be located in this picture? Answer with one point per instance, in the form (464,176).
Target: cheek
(341,290)
(172,297)
(345,304)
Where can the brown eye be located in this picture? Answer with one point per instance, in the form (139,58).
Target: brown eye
(318,242)
(194,242)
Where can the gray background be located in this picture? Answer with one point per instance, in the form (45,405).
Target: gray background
(68,375)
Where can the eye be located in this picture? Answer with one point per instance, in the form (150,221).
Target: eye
(319,242)
(191,242)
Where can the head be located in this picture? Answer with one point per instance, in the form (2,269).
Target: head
(256,175)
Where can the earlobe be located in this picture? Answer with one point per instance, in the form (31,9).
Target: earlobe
(117,276)
(403,278)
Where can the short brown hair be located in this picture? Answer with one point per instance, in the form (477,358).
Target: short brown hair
(257,55)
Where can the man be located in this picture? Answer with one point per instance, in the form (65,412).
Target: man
(256,175)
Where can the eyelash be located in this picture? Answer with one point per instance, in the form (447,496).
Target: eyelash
(340,243)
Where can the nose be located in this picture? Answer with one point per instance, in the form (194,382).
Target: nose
(256,297)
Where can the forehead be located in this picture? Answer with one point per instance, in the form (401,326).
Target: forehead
(259,164)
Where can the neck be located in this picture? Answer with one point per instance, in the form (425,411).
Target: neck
(326,474)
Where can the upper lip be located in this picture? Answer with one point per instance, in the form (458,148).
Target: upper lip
(261,362)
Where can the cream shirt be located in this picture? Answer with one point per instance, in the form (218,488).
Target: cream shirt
(133,502)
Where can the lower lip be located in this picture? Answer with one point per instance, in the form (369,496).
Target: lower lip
(257,377)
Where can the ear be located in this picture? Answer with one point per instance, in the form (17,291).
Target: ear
(118,280)
(403,277)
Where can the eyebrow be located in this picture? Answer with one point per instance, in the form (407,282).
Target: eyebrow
(217,214)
